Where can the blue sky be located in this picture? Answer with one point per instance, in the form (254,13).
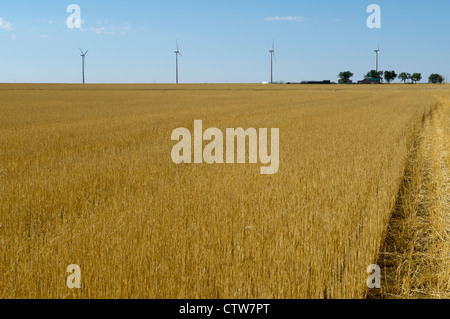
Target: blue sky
(221,41)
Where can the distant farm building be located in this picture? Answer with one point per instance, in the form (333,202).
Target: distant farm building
(345,82)
(317,82)
(370,81)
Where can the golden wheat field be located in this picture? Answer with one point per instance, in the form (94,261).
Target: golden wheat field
(86,178)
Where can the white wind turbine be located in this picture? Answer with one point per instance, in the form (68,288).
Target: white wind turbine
(83,57)
(177,53)
(272,57)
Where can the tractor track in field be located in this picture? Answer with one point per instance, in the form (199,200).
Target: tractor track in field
(415,256)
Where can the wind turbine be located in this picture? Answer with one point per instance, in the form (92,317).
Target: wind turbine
(377,52)
(83,56)
(272,56)
(177,53)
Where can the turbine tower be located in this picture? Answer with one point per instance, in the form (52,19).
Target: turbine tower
(83,56)
(272,56)
(377,53)
(177,53)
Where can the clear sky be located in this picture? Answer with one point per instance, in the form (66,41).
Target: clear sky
(221,41)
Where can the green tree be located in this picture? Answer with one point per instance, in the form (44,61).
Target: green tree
(416,77)
(435,78)
(390,76)
(408,76)
(403,76)
(374,74)
(345,76)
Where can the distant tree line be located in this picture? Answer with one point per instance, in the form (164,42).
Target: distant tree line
(411,78)
(390,76)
